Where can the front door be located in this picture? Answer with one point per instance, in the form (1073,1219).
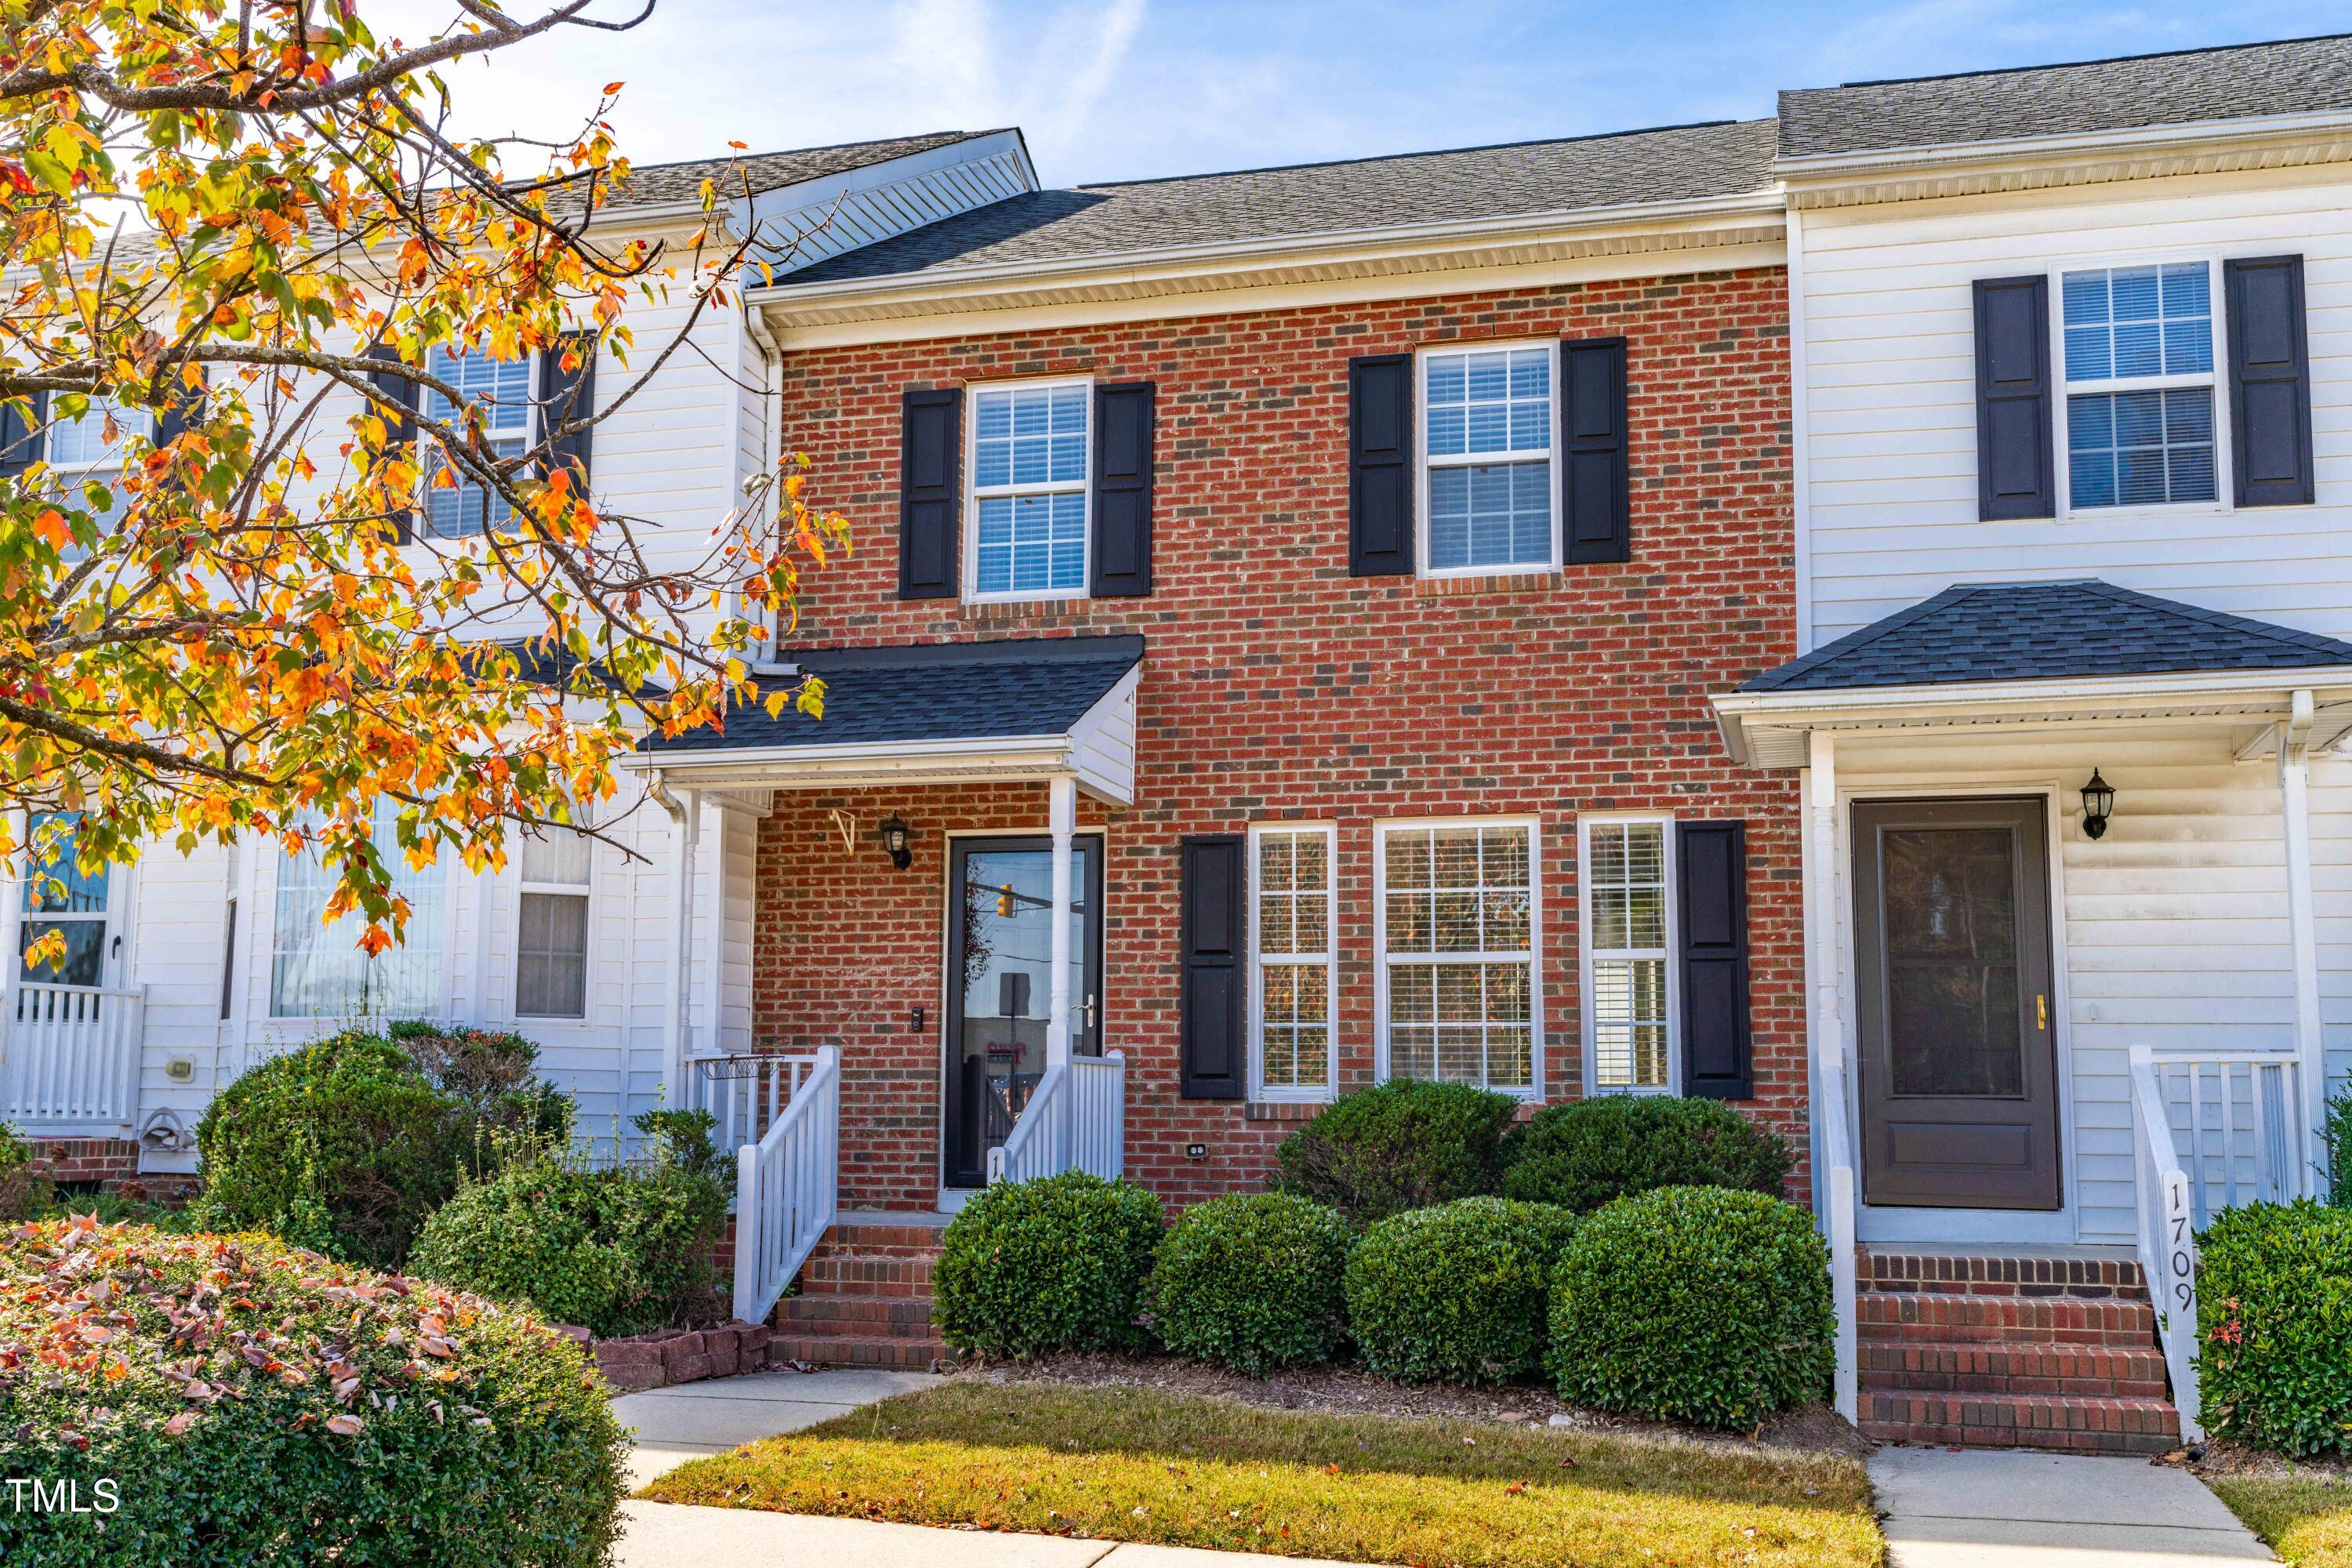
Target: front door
(1000,984)
(1959,1065)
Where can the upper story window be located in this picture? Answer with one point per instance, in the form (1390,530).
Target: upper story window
(1624,876)
(81,452)
(61,897)
(1027,505)
(500,389)
(2139,385)
(1486,422)
(1291,896)
(320,971)
(1458,923)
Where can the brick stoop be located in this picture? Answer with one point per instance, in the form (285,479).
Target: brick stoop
(865,1297)
(2010,1351)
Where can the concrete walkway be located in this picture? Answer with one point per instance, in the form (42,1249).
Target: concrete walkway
(2017,1510)
(675,1425)
(666,1535)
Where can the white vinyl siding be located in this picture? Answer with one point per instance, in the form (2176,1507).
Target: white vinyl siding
(1487,490)
(1025,499)
(1459,923)
(1625,873)
(1293,889)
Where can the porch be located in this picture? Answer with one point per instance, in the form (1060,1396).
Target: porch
(69,1059)
(1001,1068)
(2055,1020)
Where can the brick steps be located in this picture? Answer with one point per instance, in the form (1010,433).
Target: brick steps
(2052,1352)
(865,1300)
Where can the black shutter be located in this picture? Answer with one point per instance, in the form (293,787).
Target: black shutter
(931,491)
(1711,876)
(2270,381)
(22,425)
(396,406)
(566,395)
(1379,466)
(1596,503)
(1214,1050)
(2016,425)
(1122,498)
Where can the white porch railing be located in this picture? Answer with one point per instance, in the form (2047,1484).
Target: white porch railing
(787,1183)
(745,1093)
(1075,1121)
(2212,1129)
(69,1060)
(1838,1221)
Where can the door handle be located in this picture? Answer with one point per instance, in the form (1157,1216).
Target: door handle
(2040,1010)
(1088,1009)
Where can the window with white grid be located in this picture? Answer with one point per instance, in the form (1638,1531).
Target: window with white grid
(1623,875)
(500,390)
(1486,422)
(552,926)
(2140,400)
(86,453)
(1291,888)
(1458,925)
(1027,518)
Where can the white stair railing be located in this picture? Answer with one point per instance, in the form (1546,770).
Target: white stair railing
(1075,1121)
(2211,1129)
(788,1187)
(70,1060)
(1838,1221)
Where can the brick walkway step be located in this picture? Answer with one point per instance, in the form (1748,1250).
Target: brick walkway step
(866,1317)
(1890,1315)
(838,1350)
(2067,1424)
(2007,1367)
(860,1274)
(2085,1278)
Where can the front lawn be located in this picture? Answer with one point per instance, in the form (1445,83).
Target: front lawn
(2306,1520)
(1143,1465)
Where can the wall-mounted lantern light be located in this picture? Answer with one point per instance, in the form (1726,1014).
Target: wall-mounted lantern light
(893,839)
(2098,805)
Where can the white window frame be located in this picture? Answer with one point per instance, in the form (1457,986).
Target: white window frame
(2061,437)
(1296,1094)
(974,493)
(585,891)
(1423,462)
(129,420)
(430,457)
(1586,953)
(111,919)
(1534,1092)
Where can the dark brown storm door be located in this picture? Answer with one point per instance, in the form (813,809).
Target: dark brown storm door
(1959,1068)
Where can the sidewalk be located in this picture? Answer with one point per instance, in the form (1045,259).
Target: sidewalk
(691,1419)
(2020,1509)
(668,1535)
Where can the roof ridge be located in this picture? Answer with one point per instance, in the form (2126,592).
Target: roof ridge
(1423,152)
(946,138)
(2075,65)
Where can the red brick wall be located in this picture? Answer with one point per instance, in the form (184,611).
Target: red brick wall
(1277,686)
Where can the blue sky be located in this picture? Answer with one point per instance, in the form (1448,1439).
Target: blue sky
(1134,88)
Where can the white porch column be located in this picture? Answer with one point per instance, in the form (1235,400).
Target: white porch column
(1821,902)
(677,972)
(1834,1170)
(1061,812)
(2303,939)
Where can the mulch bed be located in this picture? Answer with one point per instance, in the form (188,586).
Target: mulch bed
(1347,1391)
(2222,1457)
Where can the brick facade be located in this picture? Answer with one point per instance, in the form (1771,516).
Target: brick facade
(1277,686)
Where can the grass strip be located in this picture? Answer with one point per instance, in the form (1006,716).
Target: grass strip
(1143,1465)
(2307,1521)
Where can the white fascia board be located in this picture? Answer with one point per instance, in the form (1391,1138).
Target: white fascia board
(829,188)
(1176,267)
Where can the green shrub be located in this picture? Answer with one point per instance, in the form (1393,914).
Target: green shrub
(2335,1138)
(1455,1293)
(495,1074)
(1405,1144)
(244,1403)
(343,1146)
(682,1137)
(1054,1264)
(2274,1327)
(1588,1152)
(620,1251)
(1693,1304)
(24,1191)
(1251,1281)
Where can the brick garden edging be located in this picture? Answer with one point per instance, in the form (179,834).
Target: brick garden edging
(679,1355)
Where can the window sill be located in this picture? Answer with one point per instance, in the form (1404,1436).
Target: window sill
(1491,583)
(999,610)
(1283,1110)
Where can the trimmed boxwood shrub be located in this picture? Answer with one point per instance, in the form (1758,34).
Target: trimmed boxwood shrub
(343,1146)
(1455,1293)
(1054,1264)
(2274,1326)
(1404,1144)
(1588,1152)
(1693,1304)
(247,1402)
(620,1251)
(1251,1281)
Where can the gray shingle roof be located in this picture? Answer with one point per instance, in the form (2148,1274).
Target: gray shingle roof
(663,184)
(2294,77)
(1677,163)
(934,692)
(2047,631)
